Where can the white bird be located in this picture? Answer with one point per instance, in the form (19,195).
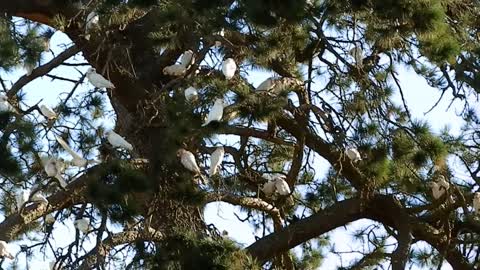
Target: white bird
(5,106)
(188,161)
(38,197)
(228,68)
(191,94)
(439,187)
(21,198)
(82,225)
(46,44)
(98,80)
(29,67)
(266,85)
(281,186)
(174,70)
(216,113)
(4,250)
(357,54)
(54,168)
(49,219)
(476,202)
(47,112)
(118,141)
(91,22)
(353,154)
(268,188)
(187,58)
(215,160)
(77,159)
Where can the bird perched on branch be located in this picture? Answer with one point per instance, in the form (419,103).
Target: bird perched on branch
(47,112)
(353,154)
(216,113)
(82,225)
(281,186)
(188,161)
(439,187)
(174,70)
(98,80)
(191,94)
(228,68)
(187,58)
(118,141)
(215,160)
(54,168)
(21,198)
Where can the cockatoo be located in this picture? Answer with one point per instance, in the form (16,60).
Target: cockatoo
(38,197)
(5,250)
(357,54)
(90,23)
(29,67)
(281,186)
(5,105)
(21,198)
(476,202)
(118,141)
(54,168)
(216,113)
(174,70)
(188,161)
(77,159)
(266,85)
(98,80)
(228,68)
(353,154)
(82,225)
(187,59)
(47,112)
(215,160)
(268,188)
(49,219)
(439,187)
(191,94)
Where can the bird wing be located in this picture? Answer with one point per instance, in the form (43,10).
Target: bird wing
(188,160)
(67,148)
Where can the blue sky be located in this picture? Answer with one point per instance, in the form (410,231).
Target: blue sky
(420,97)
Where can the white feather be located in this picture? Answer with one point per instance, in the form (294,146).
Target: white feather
(228,68)
(47,112)
(191,94)
(38,197)
(216,113)
(98,80)
(29,68)
(91,21)
(357,54)
(77,159)
(5,250)
(118,141)
(49,219)
(188,161)
(5,106)
(55,168)
(174,70)
(215,160)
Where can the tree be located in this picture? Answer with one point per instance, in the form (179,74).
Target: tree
(335,64)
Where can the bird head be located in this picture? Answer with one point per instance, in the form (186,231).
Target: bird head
(219,101)
(91,70)
(476,196)
(180,152)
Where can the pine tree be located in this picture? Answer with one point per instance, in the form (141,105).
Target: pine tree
(334,68)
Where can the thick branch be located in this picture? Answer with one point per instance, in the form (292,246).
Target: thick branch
(335,216)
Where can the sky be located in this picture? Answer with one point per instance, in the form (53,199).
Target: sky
(420,98)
